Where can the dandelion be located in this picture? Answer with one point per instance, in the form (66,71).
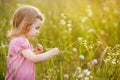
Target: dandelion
(86,72)
(81,57)
(69,25)
(79,38)
(78,69)
(66,76)
(69,29)
(74,49)
(86,78)
(84,19)
(80,76)
(113,62)
(91,30)
(63,15)
(94,61)
(62,21)
(89,11)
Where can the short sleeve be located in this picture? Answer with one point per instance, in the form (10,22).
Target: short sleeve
(19,45)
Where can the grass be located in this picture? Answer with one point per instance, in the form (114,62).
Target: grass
(86,28)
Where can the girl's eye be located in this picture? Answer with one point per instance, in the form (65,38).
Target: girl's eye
(37,27)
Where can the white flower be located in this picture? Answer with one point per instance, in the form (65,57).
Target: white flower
(66,76)
(79,38)
(81,57)
(91,30)
(69,25)
(62,21)
(69,29)
(86,78)
(84,19)
(75,49)
(86,72)
(80,76)
(78,69)
(113,62)
(94,61)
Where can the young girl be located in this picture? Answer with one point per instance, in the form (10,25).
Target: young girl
(21,61)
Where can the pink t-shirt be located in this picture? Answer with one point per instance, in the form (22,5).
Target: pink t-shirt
(18,67)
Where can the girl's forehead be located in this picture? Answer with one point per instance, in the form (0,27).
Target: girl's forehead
(37,22)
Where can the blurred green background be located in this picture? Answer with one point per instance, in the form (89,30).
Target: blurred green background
(87,28)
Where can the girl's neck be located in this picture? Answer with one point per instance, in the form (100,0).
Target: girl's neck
(22,36)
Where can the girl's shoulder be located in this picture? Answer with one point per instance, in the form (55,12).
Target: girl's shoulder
(18,40)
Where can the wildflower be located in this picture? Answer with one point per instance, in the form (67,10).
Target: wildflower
(69,25)
(63,15)
(81,57)
(86,78)
(91,30)
(113,62)
(78,68)
(94,61)
(79,38)
(86,72)
(89,11)
(75,49)
(62,21)
(84,19)
(69,29)
(66,76)
(80,76)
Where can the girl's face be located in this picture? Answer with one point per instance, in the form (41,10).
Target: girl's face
(34,29)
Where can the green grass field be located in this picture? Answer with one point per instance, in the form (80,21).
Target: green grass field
(87,33)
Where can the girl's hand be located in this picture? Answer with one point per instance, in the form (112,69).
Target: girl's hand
(39,48)
(55,51)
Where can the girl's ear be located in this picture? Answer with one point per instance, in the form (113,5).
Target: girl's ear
(26,28)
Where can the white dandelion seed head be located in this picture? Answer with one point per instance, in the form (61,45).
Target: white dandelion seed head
(91,30)
(78,69)
(66,76)
(79,38)
(113,62)
(86,78)
(74,49)
(84,19)
(81,57)
(69,29)
(69,25)
(62,21)
(80,76)
(86,72)
(94,61)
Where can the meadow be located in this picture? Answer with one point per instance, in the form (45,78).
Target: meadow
(87,33)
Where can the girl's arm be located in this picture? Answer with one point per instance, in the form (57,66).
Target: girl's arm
(39,57)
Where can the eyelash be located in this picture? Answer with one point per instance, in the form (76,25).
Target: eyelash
(37,27)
